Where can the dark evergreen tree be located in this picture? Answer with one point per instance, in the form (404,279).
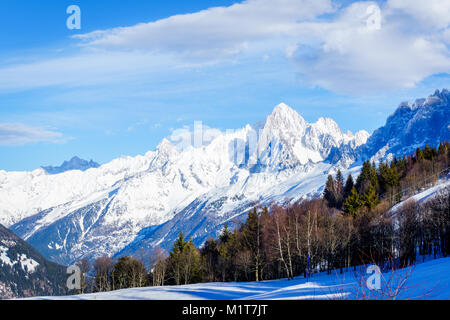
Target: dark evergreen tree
(370,198)
(210,254)
(368,176)
(339,189)
(184,262)
(252,240)
(388,178)
(227,254)
(330,192)
(419,155)
(349,184)
(226,235)
(353,203)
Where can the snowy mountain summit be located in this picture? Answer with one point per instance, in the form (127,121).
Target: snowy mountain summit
(136,203)
(288,139)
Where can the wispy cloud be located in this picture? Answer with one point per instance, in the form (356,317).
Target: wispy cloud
(330,45)
(213,33)
(141,51)
(20,134)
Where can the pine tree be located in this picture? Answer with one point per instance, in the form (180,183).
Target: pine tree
(388,177)
(180,244)
(252,240)
(192,264)
(210,253)
(185,261)
(349,184)
(363,180)
(225,236)
(370,198)
(419,155)
(330,192)
(339,189)
(353,203)
(227,252)
(368,176)
(175,258)
(429,153)
(265,213)
(374,177)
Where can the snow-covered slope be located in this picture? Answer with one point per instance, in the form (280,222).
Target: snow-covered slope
(145,201)
(441,186)
(429,280)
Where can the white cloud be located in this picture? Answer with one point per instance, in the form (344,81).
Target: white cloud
(345,55)
(213,33)
(20,134)
(430,13)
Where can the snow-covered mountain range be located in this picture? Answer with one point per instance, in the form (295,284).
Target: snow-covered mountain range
(137,203)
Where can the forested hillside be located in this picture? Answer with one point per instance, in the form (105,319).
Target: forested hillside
(26,273)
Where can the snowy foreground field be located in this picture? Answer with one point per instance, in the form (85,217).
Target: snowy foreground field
(429,280)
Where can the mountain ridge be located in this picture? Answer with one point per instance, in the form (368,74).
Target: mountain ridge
(140,202)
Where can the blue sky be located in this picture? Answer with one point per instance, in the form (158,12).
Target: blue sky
(138,70)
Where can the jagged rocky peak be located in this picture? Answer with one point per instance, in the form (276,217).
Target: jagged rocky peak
(412,125)
(291,141)
(75,163)
(444,94)
(286,119)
